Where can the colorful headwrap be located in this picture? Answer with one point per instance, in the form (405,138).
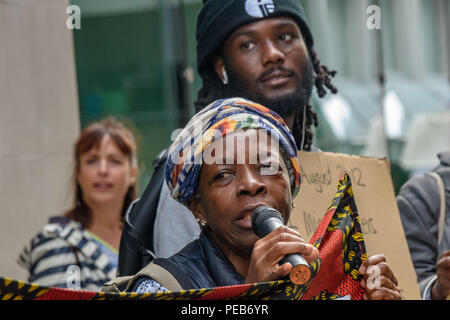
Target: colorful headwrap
(224,117)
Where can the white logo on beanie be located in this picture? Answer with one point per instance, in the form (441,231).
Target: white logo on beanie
(259,8)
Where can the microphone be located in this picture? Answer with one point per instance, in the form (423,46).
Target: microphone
(266,219)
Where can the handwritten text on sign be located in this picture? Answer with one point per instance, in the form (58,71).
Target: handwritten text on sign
(375,200)
(325,178)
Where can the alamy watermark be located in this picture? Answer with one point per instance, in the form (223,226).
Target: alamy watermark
(219,147)
(374,279)
(73,281)
(374,19)
(74,19)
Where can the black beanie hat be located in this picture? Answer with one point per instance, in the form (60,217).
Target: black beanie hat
(219,18)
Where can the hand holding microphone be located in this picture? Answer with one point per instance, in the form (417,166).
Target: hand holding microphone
(278,245)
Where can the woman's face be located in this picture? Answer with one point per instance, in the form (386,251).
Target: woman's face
(229,191)
(105,174)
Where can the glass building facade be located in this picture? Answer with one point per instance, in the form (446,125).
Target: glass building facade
(135,60)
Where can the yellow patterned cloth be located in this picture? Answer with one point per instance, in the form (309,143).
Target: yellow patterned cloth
(334,273)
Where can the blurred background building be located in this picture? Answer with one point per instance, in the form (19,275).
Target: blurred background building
(136,60)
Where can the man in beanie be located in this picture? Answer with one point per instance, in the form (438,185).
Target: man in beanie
(261,50)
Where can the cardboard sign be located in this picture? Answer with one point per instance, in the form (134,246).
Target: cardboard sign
(375,199)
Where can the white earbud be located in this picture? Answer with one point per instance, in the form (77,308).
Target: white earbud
(224,77)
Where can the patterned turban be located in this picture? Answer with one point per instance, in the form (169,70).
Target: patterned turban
(224,116)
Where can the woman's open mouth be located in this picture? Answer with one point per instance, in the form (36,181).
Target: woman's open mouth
(103,186)
(245,222)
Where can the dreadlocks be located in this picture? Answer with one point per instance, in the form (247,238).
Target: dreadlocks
(213,89)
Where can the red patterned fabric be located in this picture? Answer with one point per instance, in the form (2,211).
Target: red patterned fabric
(334,274)
(341,245)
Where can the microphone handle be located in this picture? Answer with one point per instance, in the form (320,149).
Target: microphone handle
(300,273)
(294,259)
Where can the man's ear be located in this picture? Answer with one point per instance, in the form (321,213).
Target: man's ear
(219,66)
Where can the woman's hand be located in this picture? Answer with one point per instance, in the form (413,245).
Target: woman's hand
(441,288)
(268,251)
(379,281)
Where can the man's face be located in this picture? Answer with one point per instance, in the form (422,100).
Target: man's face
(267,61)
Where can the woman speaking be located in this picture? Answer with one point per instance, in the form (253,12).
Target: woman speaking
(235,156)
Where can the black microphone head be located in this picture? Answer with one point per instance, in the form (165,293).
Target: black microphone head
(261,215)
